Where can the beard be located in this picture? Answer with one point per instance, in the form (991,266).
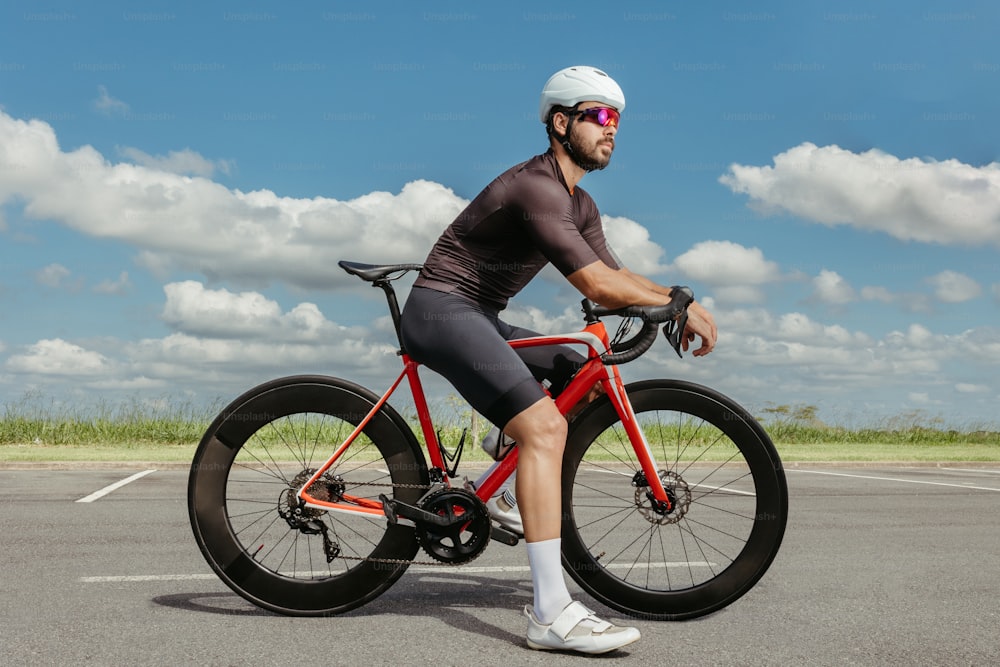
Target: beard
(589,156)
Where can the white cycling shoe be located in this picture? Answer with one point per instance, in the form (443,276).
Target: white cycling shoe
(503,510)
(577,629)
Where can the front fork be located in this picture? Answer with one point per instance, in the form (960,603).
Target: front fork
(611,381)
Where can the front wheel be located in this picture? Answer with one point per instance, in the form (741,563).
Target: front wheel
(245,514)
(727,489)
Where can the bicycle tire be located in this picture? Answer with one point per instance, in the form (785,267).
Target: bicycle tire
(252,459)
(731,503)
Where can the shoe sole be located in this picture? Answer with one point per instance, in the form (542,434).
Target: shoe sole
(543,647)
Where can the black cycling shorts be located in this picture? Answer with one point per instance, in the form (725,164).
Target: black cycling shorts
(466,343)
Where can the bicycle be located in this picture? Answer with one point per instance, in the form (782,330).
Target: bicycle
(298,531)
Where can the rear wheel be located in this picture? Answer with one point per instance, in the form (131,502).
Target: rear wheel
(726,484)
(244,510)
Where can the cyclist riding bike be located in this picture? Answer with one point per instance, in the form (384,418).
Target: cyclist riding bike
(533,214)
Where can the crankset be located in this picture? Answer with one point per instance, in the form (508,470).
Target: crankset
(454,525)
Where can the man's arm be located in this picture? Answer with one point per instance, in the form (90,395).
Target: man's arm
(646,282)
(617,288)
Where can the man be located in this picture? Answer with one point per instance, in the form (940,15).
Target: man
(531,215)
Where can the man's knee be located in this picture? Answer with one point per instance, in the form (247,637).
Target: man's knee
(541,425)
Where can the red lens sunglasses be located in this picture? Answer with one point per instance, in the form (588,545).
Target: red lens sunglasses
(603,116)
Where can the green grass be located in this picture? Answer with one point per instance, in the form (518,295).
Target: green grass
(38,430)
(33,431)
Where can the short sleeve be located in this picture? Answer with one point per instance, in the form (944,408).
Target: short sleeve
(566,230)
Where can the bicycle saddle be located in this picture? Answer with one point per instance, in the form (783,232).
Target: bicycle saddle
(373,272)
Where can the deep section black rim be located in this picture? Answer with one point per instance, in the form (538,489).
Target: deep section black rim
(242,500)
(730,509)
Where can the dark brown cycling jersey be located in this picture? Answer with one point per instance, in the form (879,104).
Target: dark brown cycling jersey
(526,218)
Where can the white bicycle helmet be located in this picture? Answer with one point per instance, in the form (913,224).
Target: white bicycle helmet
(568,87)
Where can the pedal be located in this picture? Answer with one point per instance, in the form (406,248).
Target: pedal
(504,536)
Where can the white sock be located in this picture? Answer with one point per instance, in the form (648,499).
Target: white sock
(551,594)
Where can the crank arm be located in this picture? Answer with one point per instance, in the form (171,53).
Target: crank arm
(395,508)
(504,536)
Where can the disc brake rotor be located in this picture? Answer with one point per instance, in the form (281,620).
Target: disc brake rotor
(678,492)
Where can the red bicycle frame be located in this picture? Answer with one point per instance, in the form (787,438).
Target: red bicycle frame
(594,336)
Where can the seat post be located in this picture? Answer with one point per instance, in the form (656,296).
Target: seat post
(390,295)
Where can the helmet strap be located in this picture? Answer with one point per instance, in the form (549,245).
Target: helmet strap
(569,128)
(564,140)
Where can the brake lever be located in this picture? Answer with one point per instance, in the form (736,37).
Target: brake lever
(674,332)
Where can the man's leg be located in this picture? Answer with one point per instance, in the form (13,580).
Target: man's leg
(540,432)
(556,621)
(503,504)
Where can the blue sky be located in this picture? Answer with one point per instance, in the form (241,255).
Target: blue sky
(178,179)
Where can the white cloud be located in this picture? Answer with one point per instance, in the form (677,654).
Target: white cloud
(227,341)
(764,358)
(630,241)
(982,344)
(184,161)
(107,105)
(193,309)
(177,218)
(52,275)
(954,287)
(196,224)
(787,328)
(182,359)
(830,287)
(119,286)
(920,397)
(535,319)
(735,272)
(128,384)
(58,357)
(946,202)
(874,293)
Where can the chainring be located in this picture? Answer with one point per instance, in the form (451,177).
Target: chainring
(462,541)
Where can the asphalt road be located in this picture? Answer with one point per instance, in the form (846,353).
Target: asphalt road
(879,566)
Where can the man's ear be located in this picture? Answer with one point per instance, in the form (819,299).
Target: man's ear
(559,122)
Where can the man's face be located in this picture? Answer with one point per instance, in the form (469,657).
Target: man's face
(592,144)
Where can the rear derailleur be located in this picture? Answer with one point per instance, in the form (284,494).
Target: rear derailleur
(308,520)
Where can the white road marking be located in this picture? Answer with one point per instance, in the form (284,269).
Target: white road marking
(894,479)
(486,569)
(611,472)
(706,486)
(467,569)
(100,493)
(145,577)
(986,470)
(724,488)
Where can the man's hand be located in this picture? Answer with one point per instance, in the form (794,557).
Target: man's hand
(701,324)
(617,288)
